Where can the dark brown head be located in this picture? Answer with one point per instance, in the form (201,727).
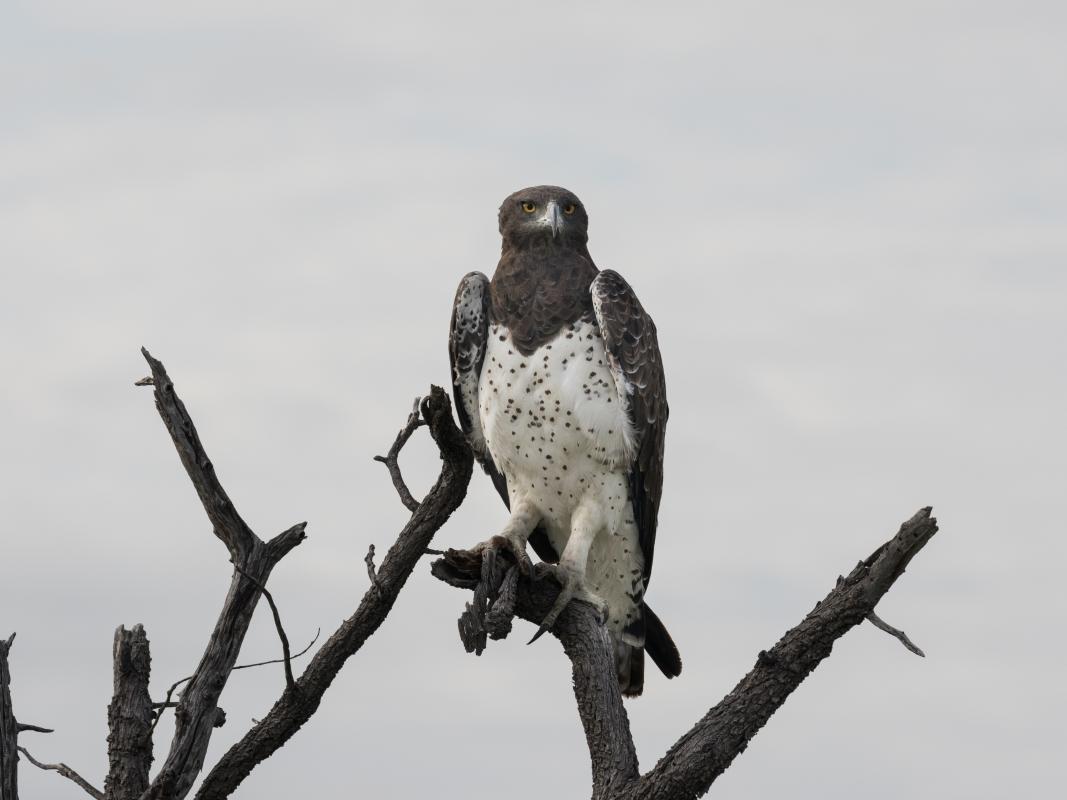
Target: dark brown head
(544,215)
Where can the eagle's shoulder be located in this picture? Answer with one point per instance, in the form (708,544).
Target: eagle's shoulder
(466,351)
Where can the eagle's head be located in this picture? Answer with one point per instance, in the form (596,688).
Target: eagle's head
(541,215)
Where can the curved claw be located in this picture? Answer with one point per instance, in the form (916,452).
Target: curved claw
(569,589)
(517,551)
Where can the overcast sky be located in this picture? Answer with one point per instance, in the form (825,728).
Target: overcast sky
(847,219)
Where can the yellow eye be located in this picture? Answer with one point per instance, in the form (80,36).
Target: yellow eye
(570,208)
(528,207)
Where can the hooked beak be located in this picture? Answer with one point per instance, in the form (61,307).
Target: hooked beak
(552,218)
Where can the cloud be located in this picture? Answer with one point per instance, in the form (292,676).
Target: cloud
(847,223)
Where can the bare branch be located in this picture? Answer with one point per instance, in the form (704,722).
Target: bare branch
(129,716)
(371,571)
(295,656)
(391,459)
(197,712)
(22,726)
(66,772)
(286,658)
(584,639)
(167,703)
(294,708)
(881,624)
(690,766)
(228,525)
(702,754)
(9,729)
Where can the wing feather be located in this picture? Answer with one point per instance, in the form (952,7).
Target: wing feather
(634,357)
(467,339)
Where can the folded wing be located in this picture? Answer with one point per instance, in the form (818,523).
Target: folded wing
(633,355)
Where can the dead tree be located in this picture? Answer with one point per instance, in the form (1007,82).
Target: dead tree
(501,592)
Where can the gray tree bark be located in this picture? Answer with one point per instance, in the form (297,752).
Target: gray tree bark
(129,717)
(9,732)
(500,593)
(705,751)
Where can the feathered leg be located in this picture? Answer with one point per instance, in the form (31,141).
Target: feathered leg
(586,522)
(524,518)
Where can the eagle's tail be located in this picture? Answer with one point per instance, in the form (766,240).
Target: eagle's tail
(630,658)
(661,646)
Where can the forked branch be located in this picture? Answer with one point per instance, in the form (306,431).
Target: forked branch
(197,713)
(501,591)
(296,706)
(705,751)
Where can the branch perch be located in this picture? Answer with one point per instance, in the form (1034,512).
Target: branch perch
(704,752)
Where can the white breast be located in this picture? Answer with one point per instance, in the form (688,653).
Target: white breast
(563,394)
(557,428)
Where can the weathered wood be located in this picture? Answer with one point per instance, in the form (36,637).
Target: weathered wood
(502,589)
(585,640)
(197,713)
(9,730)
(703,753)
(66,772)
(129,717)
(296,705)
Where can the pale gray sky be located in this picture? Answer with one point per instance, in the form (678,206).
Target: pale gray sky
(847,219)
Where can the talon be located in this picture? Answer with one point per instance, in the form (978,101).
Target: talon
(572,585)
(517,550)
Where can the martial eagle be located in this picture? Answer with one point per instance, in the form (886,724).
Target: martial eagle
(559,387)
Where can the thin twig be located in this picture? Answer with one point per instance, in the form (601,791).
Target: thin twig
(22,727)
(391,462)
(289,680)
(66,772)
(371,571)
(881,624)
(280,660)
(168,703)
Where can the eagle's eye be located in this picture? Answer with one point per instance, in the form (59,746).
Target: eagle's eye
(570,208)
(528,207)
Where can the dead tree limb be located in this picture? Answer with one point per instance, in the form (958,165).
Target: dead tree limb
(392,458)
(129,717)
(197,713)
(287,658)
(66,772)
(502,590)
(296,705)
(9,729)
(705,751)
(584,639)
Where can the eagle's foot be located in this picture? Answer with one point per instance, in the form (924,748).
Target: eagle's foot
(513,545)
(572,587)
